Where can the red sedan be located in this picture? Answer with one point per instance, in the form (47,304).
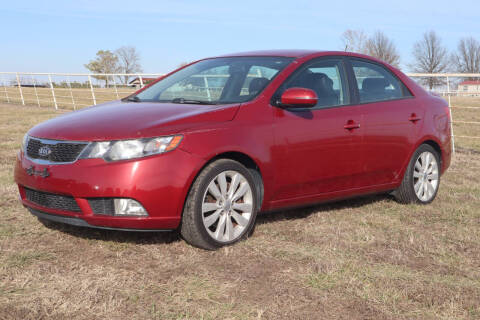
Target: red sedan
(207,147)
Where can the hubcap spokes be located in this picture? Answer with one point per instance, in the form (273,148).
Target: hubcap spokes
(227,206)
(425,176)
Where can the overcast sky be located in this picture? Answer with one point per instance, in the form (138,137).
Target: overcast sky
(61,36)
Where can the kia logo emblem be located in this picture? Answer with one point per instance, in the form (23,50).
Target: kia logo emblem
(44,151)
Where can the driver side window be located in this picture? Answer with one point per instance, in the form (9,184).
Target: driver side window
(326,78)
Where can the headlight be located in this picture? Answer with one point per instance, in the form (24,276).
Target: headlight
(130,149)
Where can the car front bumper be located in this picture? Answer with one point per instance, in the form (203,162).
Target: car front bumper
(160,183)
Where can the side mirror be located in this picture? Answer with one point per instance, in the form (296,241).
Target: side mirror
(298,98)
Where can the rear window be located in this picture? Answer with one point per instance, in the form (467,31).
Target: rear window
(376,83)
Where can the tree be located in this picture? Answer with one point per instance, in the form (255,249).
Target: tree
(355,41)
(105,62)
(129,59)
(430,57)
(468,56)
(380,47)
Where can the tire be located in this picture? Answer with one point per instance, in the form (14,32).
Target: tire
(221,206)
(422,178)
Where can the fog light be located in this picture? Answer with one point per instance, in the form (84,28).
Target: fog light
(129,207)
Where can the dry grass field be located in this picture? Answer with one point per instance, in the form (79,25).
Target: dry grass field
(65,97)
(368,258)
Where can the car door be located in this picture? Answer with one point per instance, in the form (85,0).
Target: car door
(317,150)
(391,121)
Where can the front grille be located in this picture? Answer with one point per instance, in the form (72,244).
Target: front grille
(52,201)
(102,206)
(56,151)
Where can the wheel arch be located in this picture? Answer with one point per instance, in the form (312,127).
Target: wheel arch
(249,163)
(240,157)
(435,146)
(431,141)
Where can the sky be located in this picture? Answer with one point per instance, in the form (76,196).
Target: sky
(62,36)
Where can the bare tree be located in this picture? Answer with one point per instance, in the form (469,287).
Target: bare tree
(355,41)
(105,62)
(380,47)
(468,56)
(129,59)
(430,57)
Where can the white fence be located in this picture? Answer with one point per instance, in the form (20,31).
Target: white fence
(70,90)
(451,85)
(74,90)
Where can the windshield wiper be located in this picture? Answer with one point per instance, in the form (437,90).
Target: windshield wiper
(190,101)
(133,99)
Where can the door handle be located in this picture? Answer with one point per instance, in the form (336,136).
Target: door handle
(351,125)
(414,118)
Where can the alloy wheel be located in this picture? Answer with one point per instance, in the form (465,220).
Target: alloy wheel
(227,206)
(425,176)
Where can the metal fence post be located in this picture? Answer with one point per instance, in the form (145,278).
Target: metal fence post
(35,89)
(451,129)
(115,86)
(448,92)
(91,89)
(205,81)
(450,114)
(20,89)
(53,91)
(71,93)
(6,92)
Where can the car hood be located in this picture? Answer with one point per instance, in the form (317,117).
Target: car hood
(130,120)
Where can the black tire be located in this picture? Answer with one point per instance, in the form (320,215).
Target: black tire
(406,192)
(192,227)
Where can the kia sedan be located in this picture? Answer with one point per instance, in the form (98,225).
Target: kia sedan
(210,145)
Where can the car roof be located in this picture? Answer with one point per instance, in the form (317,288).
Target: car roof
(273,53)
(294,53)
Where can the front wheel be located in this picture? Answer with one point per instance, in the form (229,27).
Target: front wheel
(422,178)
(221,207)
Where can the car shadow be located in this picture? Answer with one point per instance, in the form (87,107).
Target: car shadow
(166,237)
(304,212)
(133,237)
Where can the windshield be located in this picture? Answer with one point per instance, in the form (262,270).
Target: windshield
(216,81)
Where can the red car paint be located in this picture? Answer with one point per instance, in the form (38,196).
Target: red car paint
(303,158)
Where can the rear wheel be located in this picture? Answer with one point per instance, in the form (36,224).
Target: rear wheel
(221,207)
(422,178)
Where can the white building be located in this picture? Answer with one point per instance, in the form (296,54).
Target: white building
(469,88)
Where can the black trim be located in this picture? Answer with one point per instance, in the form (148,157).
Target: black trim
(52,200)
(352,83)
(370,102)
(102,206)
(82,223)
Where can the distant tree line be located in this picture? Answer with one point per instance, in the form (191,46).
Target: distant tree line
(430,55)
